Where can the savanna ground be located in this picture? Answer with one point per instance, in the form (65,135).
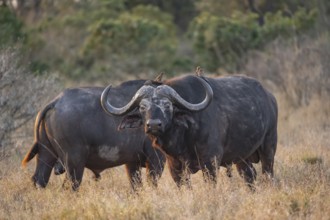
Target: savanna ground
(300,190)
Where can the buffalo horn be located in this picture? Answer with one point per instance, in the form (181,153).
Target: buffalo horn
(175,97)
(107,107)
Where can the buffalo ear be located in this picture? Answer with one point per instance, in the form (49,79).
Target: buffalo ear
(130,121)
(185,119)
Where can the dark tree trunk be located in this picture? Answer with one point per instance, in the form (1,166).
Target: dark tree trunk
(253,9)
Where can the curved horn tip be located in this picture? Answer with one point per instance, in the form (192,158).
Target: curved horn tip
(104,98)
(105,92)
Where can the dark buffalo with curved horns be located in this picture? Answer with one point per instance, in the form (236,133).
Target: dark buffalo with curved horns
(234,121)
(73,128)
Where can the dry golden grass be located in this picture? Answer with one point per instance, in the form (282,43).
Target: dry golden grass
(301,189)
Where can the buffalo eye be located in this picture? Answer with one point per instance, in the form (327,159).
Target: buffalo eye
(167,105)
(142,108)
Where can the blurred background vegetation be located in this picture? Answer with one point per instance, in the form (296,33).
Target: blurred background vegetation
(112,39)
(46,45)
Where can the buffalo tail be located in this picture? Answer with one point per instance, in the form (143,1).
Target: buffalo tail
(40,117)
(30,154)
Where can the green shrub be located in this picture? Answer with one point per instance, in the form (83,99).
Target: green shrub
(101,38)
(10,26)
(223,42)
(55,41)
(279,25)
(141,39)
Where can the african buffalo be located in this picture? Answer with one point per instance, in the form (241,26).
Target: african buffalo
(234,121)
(74,129)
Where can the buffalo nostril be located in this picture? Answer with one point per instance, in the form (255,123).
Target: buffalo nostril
(154,124)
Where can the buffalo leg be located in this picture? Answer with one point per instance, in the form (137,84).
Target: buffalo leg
(155,166)
(267,154)
(59,168)
(154,172)
(229,170)
(97,175)
(179,173)
(74,171)
(74,174)
(45,162)
(134,175)
(247,171)
(209,172)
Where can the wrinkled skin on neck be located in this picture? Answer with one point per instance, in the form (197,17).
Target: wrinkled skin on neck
(175,138)
(178,136)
